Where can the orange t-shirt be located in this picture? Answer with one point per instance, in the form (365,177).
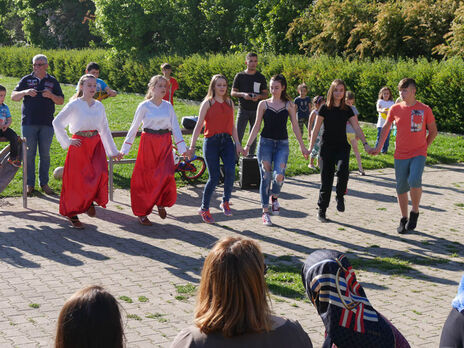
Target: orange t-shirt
(411,125)
(171,88)
(219,119)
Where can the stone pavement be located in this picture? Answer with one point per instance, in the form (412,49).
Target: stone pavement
(44,261)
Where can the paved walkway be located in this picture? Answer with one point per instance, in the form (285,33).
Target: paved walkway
(43,261)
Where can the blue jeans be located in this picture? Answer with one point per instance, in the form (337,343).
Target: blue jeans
(387,141)
(408,173)
(41,136)
(271,151)
(219,146)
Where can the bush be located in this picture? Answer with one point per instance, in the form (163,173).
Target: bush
(439,83)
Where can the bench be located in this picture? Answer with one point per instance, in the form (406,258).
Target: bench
(111,162)
(24,148)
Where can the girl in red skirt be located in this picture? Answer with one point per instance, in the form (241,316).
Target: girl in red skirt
(153,180)
(85,176)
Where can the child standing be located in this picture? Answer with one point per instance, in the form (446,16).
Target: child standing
(85,176)
(302,102)
(318,101)
(172,86)
(6,131)
(350,134)
(103,91)
(384,103)
(217,116)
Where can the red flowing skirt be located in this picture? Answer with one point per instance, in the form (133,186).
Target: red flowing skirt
(85,177)
(153,180)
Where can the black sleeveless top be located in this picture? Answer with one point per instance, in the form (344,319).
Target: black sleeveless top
(275,123)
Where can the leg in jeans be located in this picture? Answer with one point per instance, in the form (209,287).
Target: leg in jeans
(31,135)
(343,163)
(280,159)
(327,166)
(45,141)
(387,142)
(379,130)
(228,158)
(211,149)
(265,155)
(13,139)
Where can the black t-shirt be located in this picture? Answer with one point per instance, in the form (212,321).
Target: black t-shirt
(247,83)
(335,119)
(38,110)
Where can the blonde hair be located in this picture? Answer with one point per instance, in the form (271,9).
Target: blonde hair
(233,295)
(153,82)
(81,82)
(330,98)
(212,85)
(90,318)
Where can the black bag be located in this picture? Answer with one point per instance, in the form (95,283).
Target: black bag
(249,176)
(189,122)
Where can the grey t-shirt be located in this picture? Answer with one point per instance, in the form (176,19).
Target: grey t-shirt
(290,335)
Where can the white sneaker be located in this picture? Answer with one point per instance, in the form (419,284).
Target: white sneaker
(275,207)
(267,219)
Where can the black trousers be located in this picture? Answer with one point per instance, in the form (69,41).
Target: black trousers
(13,139)
(328,160)
(452,335)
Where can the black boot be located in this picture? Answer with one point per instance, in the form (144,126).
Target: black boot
(412,223)
(402,227)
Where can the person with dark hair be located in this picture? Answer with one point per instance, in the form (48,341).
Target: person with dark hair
(249,87)
(90,319)
(413,121)
(335,149)
(172,85)
(273,149)
(153,181)
(452,335)
(217,117)
(103,90)
(350,320)
(40,92)
(232,309)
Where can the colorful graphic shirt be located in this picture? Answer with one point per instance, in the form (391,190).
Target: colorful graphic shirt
(411,124)
(4,113)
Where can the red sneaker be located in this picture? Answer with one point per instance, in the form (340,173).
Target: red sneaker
(206,216)
(225,208)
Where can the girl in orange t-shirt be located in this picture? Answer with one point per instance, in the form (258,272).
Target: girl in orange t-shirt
(217,116)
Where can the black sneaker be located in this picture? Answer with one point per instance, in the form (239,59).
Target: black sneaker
(340,204)
(321,216)
(402,227)
(412,223)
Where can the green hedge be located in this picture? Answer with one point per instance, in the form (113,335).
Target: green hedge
(440,84)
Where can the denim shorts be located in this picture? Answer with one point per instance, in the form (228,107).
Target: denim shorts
(274,151)
(408,173)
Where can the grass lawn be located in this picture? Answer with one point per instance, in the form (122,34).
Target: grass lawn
(120,111)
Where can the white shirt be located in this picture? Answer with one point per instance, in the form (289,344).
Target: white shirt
(383,104)
(79,116)
(156,118)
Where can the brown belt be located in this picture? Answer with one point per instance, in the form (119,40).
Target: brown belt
(156,131)
(87,134)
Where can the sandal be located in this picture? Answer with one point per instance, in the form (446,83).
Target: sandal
(162,212)
(143,220)
(75,222)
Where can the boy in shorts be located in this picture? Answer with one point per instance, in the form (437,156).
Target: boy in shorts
(413,119)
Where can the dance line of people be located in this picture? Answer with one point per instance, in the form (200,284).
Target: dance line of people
(332,125)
